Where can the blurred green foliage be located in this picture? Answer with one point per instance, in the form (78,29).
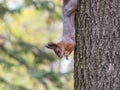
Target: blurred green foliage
(25,64)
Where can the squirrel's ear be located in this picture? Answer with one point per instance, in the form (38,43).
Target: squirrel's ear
(51,45)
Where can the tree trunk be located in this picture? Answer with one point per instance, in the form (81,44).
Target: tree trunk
(97,52)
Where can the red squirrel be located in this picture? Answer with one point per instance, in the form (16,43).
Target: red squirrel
(67,44)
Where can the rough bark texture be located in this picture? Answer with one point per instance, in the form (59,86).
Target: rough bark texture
(97,52)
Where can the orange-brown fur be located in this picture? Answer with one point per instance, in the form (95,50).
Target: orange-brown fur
(67,44)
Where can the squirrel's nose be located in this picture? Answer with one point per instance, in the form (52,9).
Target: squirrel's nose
(60,56)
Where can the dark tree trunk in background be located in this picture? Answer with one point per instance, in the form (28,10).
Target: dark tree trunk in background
(97,52)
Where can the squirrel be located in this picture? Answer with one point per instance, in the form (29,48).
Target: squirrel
(67,44)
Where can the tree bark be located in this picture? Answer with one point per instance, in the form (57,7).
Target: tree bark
(97,52)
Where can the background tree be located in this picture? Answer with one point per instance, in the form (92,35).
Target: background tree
(97,53)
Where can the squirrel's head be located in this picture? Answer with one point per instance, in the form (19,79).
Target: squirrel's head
(59,50)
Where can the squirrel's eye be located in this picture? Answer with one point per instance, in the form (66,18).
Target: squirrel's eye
(58,51)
